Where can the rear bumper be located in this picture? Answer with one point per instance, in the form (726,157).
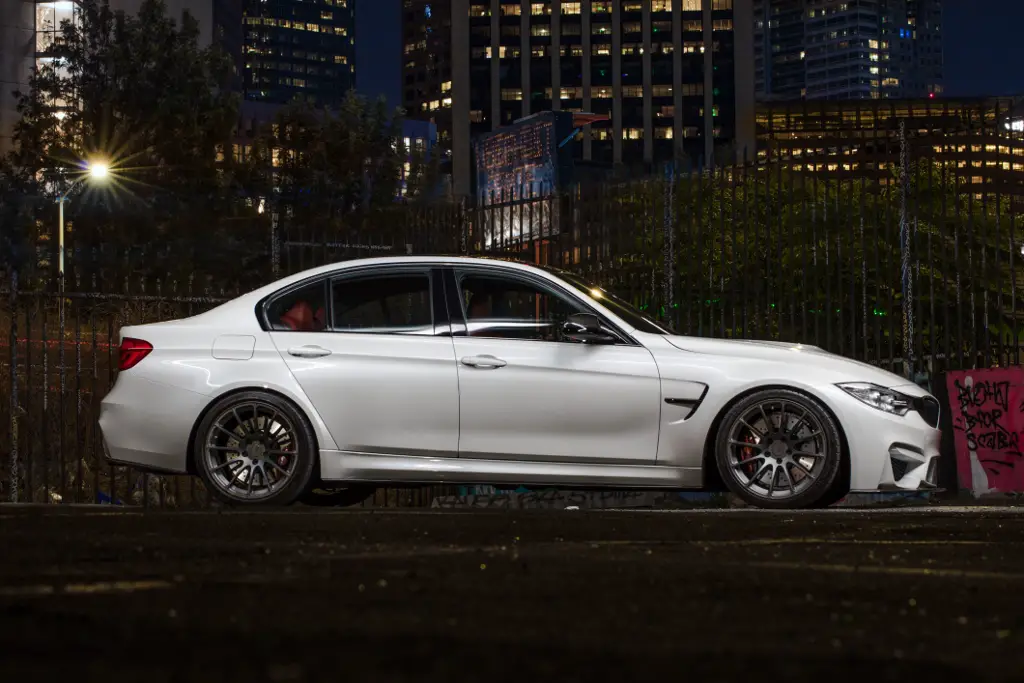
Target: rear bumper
(147,425)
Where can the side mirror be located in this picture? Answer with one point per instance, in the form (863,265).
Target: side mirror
(586,328)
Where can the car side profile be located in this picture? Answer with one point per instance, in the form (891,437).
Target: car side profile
(424,370)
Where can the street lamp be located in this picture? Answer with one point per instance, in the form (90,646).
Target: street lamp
(98,171)
(95,170)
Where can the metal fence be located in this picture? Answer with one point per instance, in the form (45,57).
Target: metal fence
(910,263)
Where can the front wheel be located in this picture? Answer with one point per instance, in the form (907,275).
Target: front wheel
(779,449)
(255,449)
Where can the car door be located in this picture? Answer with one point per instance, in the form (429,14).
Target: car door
(528,393)
(372,350)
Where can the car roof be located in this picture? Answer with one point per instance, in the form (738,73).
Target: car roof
(341,266)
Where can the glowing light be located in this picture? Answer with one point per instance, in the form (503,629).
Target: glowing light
(98,170)
(596,293)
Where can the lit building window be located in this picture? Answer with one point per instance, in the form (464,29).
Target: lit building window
(632,133)
(540,8)
(570,8)
(446,86)
(510,10)
(511,94)
(663,132)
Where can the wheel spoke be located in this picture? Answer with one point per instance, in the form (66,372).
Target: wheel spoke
(240,422)
(806,454)
(237,472)
(233,435)
(804,439)
(798,425)
(757,475)
(771,481)
(767,421)
(757,432)
(227,463)
(230,449)
(278,468)
(266,479)
(789,478)
(268,425)
(252,477)
(746,444)
(749,461)
(807,472)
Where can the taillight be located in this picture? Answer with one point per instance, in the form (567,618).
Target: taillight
(133,351)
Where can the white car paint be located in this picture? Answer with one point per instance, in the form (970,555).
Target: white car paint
(411,408)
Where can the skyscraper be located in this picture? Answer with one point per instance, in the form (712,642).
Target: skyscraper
(301,48)
(847,49)
(674,76)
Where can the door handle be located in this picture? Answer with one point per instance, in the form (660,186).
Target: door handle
(309,351)
(483,362)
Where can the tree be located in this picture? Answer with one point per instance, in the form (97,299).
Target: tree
(333,175)
(139,93)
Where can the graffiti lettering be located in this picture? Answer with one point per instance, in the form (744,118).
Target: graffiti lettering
(987,432)
(977,394)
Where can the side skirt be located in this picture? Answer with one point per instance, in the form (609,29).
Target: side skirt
(415,469)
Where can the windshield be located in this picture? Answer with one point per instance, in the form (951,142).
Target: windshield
(641,321)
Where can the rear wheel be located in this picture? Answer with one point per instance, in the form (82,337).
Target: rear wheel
(255,448)
(779,449)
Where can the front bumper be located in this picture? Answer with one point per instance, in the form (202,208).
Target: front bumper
(888,452)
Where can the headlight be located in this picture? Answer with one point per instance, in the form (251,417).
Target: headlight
(886,400)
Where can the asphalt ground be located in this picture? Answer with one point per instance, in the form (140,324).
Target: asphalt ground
(912,594)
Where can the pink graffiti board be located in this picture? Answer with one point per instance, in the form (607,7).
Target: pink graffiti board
(987,407)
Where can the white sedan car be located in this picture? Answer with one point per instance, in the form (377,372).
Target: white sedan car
(421,370)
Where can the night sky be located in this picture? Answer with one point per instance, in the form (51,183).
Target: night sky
(984,54)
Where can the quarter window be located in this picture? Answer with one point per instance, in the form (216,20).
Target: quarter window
(388,304)
(302,310)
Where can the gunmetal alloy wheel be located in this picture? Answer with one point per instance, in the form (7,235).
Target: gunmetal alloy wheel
(255,448)
(779,449)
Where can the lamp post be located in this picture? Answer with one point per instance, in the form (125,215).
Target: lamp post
(94,170)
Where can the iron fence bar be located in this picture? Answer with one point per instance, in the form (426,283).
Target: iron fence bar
(13,468)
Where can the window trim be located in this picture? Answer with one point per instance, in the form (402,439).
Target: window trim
(438,308)
(457,311)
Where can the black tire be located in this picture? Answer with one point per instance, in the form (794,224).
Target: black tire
(301,456)
(778,451)
(322,496)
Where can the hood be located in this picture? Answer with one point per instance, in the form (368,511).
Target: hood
(804,354)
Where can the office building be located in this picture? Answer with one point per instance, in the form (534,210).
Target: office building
(298,49)
(675,77)
(979,140)
(847,49)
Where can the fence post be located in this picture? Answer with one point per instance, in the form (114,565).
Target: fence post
(275,246)
(14,466)
(908,310)
(668,244)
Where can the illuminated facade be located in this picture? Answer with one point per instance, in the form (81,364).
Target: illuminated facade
(981,138)
(298,48)
(674,76)
(848,49)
